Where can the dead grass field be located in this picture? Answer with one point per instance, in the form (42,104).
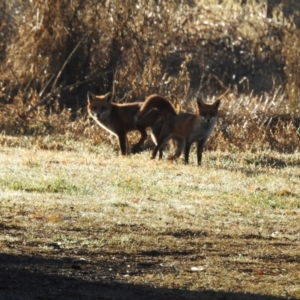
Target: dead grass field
(85,223)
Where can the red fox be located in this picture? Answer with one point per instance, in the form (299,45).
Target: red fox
(119,119)
(155,104)
(190,128)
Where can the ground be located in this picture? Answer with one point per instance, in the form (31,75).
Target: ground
(79,224)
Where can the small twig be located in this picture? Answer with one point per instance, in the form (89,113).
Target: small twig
(52,92)
(41,102)
(114,84)
(15,76)
(220,82)
(44,88)
(224,94)
(68,87)
(67,60)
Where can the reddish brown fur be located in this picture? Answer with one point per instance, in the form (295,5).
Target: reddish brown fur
(154,103)
(119,119)
(191,128)
(158,102)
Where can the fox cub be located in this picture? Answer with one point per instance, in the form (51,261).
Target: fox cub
(119,119)
(189,128)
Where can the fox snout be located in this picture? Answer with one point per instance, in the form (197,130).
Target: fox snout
(207,120)
(99,114)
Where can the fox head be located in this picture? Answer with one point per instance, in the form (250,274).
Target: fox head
(99,107)
(207,111)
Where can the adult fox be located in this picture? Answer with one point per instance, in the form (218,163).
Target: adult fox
(119,119)
(153,104)
(189,128)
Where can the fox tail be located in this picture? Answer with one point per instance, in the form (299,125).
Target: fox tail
(157,102)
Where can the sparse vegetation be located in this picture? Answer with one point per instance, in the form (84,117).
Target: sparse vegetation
(231,226)
(79,221)
(181,50)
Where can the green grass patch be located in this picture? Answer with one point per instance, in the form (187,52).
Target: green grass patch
(55,185)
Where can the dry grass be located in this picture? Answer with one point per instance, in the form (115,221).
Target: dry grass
(246,123)
(229,229)
(59,51)
(177,49)
(230,226)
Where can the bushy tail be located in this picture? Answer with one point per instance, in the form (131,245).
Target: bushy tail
(158,102)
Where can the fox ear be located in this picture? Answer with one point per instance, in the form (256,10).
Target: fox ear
(200,103)
(216,104)
(108,97)
(90,96)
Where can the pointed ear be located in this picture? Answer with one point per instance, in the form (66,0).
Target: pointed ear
(200,103)
(108,97)
(90,96)
(216,104)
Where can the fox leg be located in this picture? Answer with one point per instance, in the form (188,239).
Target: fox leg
(162,141)
(180,145)
(154,152)
(155,137)
(200,146)
(160,153)
(123,141)
(136,147)
(157,148)
(187,151)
